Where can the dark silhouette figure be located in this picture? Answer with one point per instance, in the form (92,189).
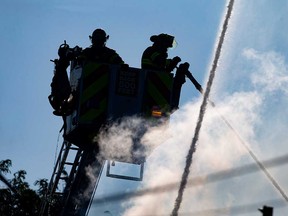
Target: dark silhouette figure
(179,80)
(155,57)
(61,96)
(98,52)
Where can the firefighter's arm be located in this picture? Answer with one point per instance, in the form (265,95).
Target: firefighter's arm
(171,64)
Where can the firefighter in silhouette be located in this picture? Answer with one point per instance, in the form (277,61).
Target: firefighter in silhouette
(61,97)
(98,52)
(155,57)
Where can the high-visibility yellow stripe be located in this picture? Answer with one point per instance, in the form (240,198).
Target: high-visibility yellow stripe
(94,88)
(166,80)
(149,62)
(92,114)
(146,61)
(155,55)
(155,94)
(90,68)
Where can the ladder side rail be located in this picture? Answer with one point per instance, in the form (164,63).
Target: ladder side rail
(60,164)
(58,168)
(74,170)
(74,203)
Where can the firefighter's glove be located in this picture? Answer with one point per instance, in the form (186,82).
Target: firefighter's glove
(173,63)
(176,60)
(185,66)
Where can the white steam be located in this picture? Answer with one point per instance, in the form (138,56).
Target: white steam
(270,71)
(120,140)
(219,147)
(252,87)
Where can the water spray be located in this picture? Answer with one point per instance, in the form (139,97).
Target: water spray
(192,148)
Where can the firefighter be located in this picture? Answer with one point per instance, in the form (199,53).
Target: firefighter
(98,52)
(155,57)
(61,97)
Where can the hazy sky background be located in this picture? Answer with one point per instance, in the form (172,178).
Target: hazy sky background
(250,91)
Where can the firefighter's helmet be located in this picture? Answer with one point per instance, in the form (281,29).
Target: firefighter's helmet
(164,40)
(99,37)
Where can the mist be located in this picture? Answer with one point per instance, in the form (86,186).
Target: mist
(250,93)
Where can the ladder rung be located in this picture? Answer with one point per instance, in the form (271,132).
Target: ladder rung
(74,148)
(63,178)
(59,193)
